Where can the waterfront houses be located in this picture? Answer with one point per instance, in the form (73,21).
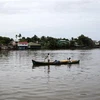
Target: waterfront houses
(32,45)
(22,45)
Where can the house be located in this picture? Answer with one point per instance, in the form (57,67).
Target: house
(32,45)
(97,44)
(63,43)
(22,45)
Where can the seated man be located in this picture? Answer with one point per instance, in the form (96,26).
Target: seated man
(69,59)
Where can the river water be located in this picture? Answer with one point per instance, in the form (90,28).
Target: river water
(19,80)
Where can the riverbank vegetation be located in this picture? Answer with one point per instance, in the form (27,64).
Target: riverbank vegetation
(55,43)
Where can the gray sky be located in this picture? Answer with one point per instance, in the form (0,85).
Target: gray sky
(55,18)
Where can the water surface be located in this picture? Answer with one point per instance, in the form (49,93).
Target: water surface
(19,80)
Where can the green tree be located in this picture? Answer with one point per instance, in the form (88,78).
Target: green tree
(85,41)
(23,39)
(35,38)
(51,43)
(5,40)
(29,39)
(72,42)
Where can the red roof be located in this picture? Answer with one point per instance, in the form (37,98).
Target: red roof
(23,42)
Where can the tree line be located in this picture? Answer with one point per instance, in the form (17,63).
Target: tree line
(54,43)
(5,40)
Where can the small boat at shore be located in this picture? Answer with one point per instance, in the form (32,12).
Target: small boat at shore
(56,62)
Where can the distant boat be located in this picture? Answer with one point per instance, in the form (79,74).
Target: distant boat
(40,63)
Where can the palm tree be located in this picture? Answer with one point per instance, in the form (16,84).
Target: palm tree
(16,36)
(19,35)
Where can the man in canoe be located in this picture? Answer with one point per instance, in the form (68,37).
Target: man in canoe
(69,59)
(48,57)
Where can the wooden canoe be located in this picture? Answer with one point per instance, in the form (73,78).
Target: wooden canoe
(40,63)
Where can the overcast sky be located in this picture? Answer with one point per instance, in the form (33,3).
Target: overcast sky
(55,18)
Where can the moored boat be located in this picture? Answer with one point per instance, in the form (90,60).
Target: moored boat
(56,62)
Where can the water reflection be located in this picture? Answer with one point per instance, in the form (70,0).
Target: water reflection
(48,67)
(69,65)
(4,53)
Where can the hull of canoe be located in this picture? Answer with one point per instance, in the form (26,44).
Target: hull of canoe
(55,62)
